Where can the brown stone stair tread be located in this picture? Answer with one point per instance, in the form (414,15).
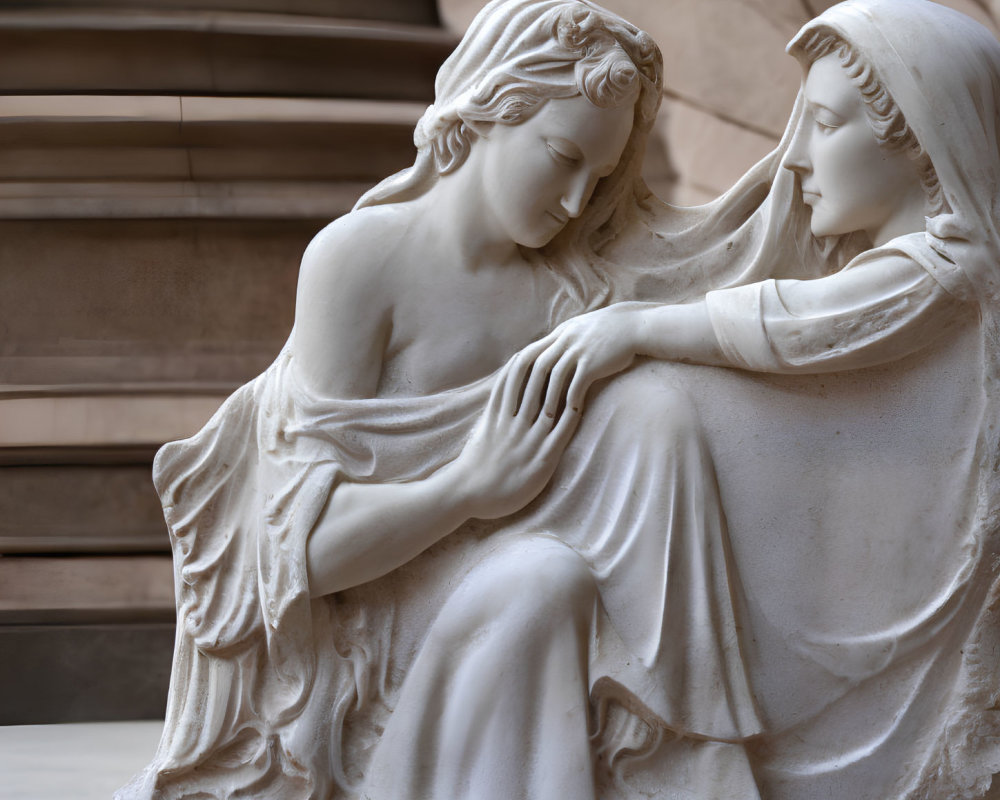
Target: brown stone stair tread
(113,50)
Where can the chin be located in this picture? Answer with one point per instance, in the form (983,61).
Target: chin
(822,228)
(537,240)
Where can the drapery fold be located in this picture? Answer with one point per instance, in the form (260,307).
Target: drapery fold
(270,688)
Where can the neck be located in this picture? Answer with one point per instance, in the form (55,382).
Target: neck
(909,216)
(454,209)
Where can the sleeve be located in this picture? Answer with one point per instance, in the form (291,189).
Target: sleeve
(879,309)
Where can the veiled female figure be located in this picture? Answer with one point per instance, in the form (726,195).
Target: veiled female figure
(377,595)
(863,503)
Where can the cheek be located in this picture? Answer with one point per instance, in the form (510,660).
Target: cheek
(522,184)
(842,168)
(867,169)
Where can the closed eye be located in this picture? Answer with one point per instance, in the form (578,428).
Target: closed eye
(824,118)
(562,157)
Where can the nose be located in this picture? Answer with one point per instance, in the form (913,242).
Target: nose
(797,156)
(578,194)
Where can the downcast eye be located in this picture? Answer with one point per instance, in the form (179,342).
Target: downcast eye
(825,119)
(561,156)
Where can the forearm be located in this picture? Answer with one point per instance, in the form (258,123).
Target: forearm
(677,333)
(878,311)
(368,530)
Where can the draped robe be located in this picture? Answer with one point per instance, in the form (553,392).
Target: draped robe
(277,695)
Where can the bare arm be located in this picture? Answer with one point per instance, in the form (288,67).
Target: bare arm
(343,319)
(367,530)
(343,311)
(601,343)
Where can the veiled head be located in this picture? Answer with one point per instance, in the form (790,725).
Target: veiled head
(856,173)
(929,78)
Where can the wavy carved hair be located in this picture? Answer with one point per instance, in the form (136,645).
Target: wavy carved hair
(517,55)
(600,57)
(884,116)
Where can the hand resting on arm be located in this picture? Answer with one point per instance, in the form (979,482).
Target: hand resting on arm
(875,312)
(604,342)
(367,530)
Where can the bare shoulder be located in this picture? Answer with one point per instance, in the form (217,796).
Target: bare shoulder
(344,301)
(353,249)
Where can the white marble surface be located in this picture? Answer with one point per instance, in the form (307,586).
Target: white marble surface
(85,761)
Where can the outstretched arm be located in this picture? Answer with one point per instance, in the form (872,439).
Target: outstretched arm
(876,312)
(593,346)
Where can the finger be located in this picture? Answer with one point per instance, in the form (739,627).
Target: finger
(578,386)
(513,379)
(501,382)
(560,435)
(496,392)
(539,345)
(513,375)
(533,350)
(534,391)
(559,376)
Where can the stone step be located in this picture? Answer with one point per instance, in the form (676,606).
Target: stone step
(84,507)
(84,638)
(173,227)
(76,470)
(189,51)
(416,12)
(69,590)
(172,303)
(179,157)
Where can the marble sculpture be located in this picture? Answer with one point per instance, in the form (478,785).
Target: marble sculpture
(557,491)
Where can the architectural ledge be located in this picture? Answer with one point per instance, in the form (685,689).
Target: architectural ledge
(102,420)
(179,200)
(59,50)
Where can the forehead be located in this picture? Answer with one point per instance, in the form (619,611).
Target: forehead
(828,86)
(599,133)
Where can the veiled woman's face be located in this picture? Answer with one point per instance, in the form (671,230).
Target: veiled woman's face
(850,182)
(539,174)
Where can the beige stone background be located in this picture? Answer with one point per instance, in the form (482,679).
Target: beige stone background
(163,163)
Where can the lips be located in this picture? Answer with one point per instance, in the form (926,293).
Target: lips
(562,220)
(809,197)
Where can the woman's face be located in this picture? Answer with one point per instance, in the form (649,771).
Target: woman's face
(850,182)
(539,174)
